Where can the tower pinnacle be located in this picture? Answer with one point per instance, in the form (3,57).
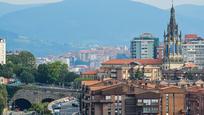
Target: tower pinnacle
(172,2)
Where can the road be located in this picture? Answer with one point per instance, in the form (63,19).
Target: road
(65,108)
(68,109)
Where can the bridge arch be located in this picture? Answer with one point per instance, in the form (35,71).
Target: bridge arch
(21,104)
(39,94)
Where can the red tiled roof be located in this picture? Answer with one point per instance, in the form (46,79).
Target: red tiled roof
(128,61)
(190,65)
(195,89)
(90,82)
(95,88)
(90,73)
(102,88)
(190,36)
(168,87)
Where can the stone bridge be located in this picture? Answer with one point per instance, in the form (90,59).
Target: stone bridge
(26,96)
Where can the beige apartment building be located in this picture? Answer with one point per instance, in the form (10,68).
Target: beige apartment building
(124,68)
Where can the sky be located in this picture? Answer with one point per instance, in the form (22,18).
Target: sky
(24,2)
(166,4)
(163,4)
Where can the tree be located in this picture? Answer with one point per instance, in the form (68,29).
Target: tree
(137,75)
(3,98)
(27,59)
(24,58)
(6,70)
(43,75)
(27,77)
(56,69)
(41,108)
(23,65)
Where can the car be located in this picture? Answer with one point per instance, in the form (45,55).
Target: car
(75,104)
(56,110)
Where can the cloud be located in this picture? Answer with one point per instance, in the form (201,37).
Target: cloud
(165,4)
(23,2)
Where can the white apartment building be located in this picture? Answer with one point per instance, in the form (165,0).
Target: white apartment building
(193,52)
(2,51)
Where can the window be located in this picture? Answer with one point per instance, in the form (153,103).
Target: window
(147,102)
(118,105)
(167,103)
(154,109)
(108,97)
(109,108)
(119,98)
(139,102)
(154,101)
(92,97)
(146,110)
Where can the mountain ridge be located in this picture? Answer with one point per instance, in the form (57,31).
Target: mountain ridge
(100,22)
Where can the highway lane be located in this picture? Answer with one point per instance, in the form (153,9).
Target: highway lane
(66,108)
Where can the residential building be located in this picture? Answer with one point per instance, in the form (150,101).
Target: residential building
(193,52)
(160,52)
(195,101)
(144,47)
(5,81)
(191,37)
(183,73)
(173,100)
(126,68)
(115,97)
(89,75)
(172,44)
(2,51)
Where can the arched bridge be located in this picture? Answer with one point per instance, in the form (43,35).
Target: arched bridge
(38,94)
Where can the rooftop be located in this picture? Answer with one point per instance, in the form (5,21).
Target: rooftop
(129,61)
(89,73)
(90,82)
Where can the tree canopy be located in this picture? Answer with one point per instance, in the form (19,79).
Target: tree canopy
(55,72)
(3,98)
(23,67)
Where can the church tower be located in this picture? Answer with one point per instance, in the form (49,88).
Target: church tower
(172,44)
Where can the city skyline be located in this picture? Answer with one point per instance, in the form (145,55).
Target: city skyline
(99,74)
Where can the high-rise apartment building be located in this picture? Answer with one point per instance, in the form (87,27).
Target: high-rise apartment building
(193,52)
(2,51)
(144,46)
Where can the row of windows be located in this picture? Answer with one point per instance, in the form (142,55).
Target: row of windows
(147,102)
(150,110)
(117,98)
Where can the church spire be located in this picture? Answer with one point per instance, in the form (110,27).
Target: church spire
(172,2)
(172,42)
(173,15)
